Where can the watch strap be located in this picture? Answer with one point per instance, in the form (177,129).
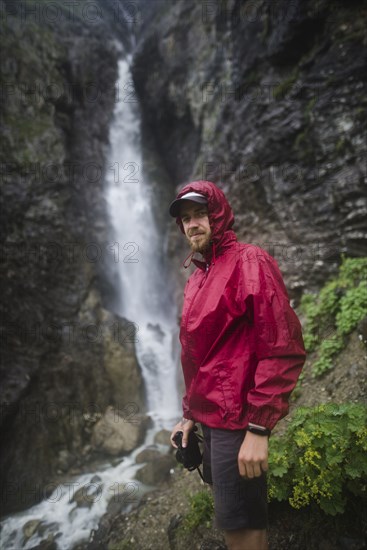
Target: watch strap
(258,431)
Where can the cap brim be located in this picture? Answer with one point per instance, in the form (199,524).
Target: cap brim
(175,206)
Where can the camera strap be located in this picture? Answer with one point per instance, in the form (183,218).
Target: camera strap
(200,439)
(201,475)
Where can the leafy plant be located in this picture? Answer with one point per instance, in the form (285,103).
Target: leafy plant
(335,312)
(321,459)
(200,512)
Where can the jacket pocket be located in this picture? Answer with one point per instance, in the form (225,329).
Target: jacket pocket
(228,387)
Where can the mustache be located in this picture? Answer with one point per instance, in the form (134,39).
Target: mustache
(192,233)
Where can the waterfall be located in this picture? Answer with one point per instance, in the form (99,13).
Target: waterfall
(145,300)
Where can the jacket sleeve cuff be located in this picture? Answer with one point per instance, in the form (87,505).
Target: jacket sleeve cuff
(188,415)
(262,416)
(185,410)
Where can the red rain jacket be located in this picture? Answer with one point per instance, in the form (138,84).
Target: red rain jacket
(242,346)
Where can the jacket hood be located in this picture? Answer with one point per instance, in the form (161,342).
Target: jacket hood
(220,214)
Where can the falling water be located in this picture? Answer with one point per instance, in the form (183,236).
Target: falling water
(145,296)
(145,301)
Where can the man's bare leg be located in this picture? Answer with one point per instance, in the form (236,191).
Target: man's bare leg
(246,539)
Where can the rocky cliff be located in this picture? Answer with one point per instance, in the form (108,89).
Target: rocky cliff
(267,99)
(67,356)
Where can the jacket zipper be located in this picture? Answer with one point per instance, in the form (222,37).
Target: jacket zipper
(192,301)
(205,276)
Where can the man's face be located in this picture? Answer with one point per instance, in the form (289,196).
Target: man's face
(195,222)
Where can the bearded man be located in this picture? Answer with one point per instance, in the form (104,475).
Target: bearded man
(242,353)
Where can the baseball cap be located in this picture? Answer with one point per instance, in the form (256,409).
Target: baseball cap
(174,208)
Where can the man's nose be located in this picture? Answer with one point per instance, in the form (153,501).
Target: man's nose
(193,222)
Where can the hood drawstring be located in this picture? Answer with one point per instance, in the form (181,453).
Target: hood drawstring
(213,248)
(212,261)
(189,256)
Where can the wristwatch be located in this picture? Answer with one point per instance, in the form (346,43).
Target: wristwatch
(258,430)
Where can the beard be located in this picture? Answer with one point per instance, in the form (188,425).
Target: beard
(200,245)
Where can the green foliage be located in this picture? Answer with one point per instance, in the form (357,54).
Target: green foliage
(335,312)
(353,308)
(327,350)
(321,459)
(201,511)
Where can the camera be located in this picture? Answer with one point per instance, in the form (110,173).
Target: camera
(190,457)
(177,438)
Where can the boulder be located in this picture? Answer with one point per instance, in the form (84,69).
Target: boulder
(163,437)
(156,471)
(147,455)
(31,527)
(85,496)
(121,364)
(46,544)
(115,435)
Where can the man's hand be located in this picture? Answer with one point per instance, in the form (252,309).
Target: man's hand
(253,455)
(185,425)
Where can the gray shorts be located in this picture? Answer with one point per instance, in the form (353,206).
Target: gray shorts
(239,503)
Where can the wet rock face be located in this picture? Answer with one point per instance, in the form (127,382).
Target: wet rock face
(66,357)
(266,99)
